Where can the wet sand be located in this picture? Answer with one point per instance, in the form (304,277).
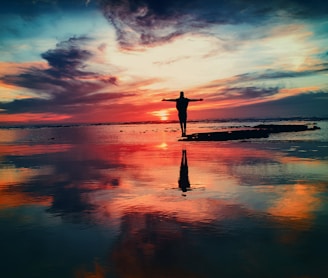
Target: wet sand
(133,201)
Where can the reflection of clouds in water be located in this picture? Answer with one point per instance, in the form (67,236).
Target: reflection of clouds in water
(77,173)
(112,177)
(252,204)
(296,202)
(12,176)
(63,175)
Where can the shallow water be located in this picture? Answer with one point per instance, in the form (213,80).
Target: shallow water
(133,201)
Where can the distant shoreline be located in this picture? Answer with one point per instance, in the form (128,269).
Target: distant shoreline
(61,125)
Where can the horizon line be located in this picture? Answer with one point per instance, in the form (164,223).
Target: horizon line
(44,125)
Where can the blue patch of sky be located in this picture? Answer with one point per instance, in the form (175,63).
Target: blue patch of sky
(24,40)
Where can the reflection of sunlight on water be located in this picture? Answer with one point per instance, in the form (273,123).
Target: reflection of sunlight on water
(115,192)
(163,146)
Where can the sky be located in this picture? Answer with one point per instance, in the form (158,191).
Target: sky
(91,61)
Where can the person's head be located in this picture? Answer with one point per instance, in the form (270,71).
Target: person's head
(181,94)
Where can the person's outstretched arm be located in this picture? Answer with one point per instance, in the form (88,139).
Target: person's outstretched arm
(196,99)
(169,99)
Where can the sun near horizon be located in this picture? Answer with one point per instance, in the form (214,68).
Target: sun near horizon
(163,115)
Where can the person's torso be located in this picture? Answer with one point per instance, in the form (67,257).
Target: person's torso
(182,104)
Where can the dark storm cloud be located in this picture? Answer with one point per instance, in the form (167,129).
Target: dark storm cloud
(308,104)
(247,92)
(303,105)
(272,74)
(144,22)
(207,10)
(147,22)
(266,76)
(67,56)
(242,93)
(64,86)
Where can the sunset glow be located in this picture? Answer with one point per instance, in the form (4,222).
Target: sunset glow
(103,61)
(162,114)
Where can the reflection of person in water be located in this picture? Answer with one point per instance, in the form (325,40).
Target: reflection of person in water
(184,183)
(182,105)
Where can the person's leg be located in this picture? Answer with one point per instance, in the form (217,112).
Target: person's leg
(184,124)
(185,127)
(182,128)
(182,118)
(181,124)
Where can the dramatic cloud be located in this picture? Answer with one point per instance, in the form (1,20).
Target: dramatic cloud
(265,75)
(301,105)
(144,22)
(247,92)
(62,87)
(271,74)
(241,94)
(67,57)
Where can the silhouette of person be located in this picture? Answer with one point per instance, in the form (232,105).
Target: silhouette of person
(182,105)
(184,183)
